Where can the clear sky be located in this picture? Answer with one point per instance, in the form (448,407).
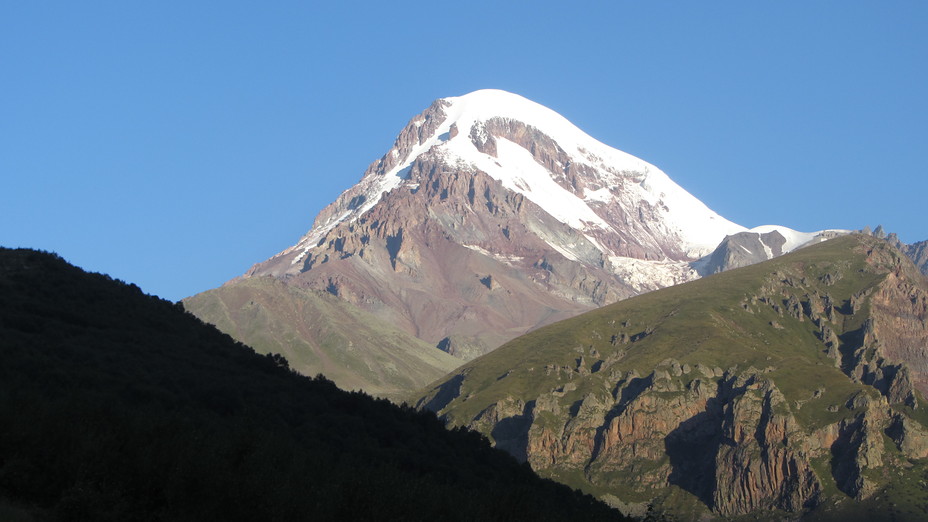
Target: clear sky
(174,144)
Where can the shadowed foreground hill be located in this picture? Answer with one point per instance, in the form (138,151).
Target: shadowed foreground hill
(115,405)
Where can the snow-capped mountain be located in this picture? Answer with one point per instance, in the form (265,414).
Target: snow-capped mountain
(535,152)
(492,215)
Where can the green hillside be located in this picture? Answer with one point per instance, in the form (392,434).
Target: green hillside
(119,406)
(779,389)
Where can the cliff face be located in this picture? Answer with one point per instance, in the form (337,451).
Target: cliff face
(823,353)
(758,464)
(899,336)
(918,253)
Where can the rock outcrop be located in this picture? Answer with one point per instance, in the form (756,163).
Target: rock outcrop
(918,253)
(742,249)
(760,464)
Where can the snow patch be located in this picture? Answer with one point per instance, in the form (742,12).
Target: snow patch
(768,252)
(604,195)
(647,275)
(479,250)
(508,260)
(518,171)
(563,251)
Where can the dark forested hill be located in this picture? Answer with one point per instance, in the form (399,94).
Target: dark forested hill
(115,405)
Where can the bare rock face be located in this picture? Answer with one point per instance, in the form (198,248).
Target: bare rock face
(468,274)
(758,465)
(889,351)
(734,444)
(742,249)
(462,347)
(910,437)
(918,253)
(900,314)
(859,448)
(416,132)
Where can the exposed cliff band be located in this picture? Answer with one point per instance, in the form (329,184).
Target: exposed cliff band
(782,387)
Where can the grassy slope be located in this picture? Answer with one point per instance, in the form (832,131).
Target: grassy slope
(119,406)
(702,322)
(320,333)
(699,322)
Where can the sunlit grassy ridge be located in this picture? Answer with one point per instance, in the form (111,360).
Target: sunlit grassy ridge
(703,322)
(755,320)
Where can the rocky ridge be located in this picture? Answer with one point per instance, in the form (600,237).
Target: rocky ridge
(743,249)
(786,387)
(748,248)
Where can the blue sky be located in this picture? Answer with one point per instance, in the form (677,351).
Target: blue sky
(175,144)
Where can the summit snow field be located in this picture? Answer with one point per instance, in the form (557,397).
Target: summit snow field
(457,139)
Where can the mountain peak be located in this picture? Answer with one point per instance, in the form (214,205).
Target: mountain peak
(486,104)
(534,151)
(494,98)
(492,215)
